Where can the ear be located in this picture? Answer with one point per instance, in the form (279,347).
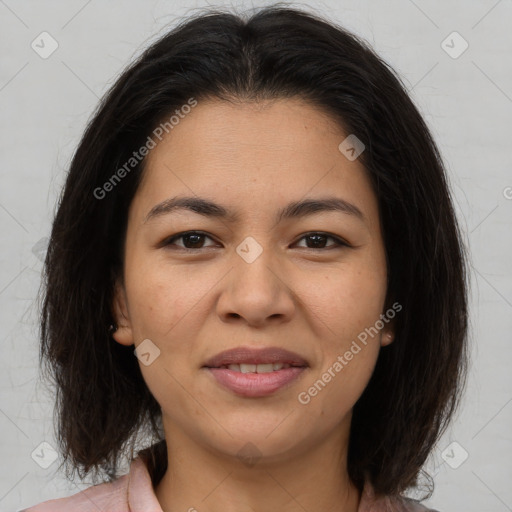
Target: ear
(123,333)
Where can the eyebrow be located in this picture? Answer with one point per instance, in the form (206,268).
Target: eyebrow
(295,209)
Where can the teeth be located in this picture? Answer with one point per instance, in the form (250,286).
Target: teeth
(257,368)
(248,368)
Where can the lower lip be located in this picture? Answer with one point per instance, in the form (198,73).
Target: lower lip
(256,384)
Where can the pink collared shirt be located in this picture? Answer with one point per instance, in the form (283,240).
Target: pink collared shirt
(134,492)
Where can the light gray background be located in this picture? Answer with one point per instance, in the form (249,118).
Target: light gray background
(466,101)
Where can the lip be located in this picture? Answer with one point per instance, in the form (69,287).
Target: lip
(256,384)
(247,355)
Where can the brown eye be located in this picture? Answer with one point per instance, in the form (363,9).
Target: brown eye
(191,240)
(194,240)
(318,241)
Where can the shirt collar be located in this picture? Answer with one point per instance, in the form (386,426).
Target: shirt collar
(141,496)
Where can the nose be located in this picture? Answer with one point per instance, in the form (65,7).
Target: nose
(257,292)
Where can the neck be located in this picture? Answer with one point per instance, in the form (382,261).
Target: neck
(314,478)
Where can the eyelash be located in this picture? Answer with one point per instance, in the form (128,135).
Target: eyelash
(338,241)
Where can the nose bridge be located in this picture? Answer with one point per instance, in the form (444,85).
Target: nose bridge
(256,289)
(257,264)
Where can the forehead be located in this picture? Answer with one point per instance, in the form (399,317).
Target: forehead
(272,127)
(252,155)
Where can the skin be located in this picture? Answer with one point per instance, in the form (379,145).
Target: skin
(254,158)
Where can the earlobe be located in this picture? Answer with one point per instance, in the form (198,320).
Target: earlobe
(388,332)
(387,337)
(122,333)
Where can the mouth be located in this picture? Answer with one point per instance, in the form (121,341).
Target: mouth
(257,368)
(255,372)
(252,360)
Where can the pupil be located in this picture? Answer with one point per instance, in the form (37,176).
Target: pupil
(198,236)
(316,238)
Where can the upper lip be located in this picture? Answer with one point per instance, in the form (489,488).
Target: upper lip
(247,355)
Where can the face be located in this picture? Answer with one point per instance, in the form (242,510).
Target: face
(312,281)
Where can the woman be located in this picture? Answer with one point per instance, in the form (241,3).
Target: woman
(258,213)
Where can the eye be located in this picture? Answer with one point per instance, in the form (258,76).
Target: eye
(192,240)
(318,240)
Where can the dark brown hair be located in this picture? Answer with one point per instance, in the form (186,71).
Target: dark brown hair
(102,401)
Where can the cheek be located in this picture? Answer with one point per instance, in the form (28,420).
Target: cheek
(333,387)
(332,392)
(346,308)
(346,300)
(162,296)
(347,351)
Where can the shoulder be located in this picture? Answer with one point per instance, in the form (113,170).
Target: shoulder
(106,496)
(371,503)
(414,506)
(133,491)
